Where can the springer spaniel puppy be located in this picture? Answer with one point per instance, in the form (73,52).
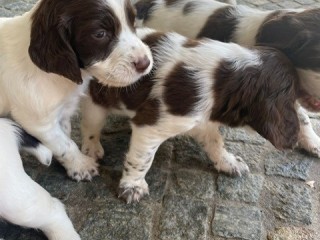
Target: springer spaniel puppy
(295,32)
(47,58)
(193,87)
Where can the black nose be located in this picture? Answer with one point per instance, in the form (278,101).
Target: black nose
(142,64)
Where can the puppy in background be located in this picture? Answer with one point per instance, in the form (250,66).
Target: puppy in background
(194,87)
(295,32)
(47,58)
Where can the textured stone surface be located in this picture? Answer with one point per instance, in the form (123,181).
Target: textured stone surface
(111,220)
(195,184)
(182,218)
(188,154)
(290,203)
(247,220)
(246,189)
(288,164)
(188,198)
(291,233)
(242,135)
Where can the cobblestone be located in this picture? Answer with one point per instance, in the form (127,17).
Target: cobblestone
(188,199)
(247,220)
(246,189)
(292,233)
(183,219)
(277,164)
(290,203)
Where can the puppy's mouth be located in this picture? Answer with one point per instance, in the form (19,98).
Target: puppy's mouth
(310,103)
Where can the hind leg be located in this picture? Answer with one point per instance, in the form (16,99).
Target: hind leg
(23,201)
(209,137)
(308,139)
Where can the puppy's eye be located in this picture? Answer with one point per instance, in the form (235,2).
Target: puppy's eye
(100,34)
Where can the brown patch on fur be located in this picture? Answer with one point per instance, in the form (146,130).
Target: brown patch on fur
(61,35)
(130,14)
(153,40)
(260,96)
(295,34)
(190,43)
(132,96)
(220,25)
(189,7)
(144,9)
(181,93)
(148,113)
(171,2)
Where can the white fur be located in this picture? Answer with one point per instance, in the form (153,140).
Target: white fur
(23,201)
(43,103)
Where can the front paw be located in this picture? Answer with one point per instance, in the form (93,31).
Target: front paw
(133,191)
(93,149)
(83,168)
(310,145)
(232,165)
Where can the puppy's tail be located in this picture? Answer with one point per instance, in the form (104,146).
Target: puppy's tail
(12,132)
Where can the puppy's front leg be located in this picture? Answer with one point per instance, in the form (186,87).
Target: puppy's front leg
(308,139)
(78,166)
(145,141)
(92,122)
(143,146)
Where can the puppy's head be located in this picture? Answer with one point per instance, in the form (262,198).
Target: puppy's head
(297,35)
(96,36)
(261,95)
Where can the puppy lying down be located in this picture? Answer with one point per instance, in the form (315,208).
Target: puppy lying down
(194,87)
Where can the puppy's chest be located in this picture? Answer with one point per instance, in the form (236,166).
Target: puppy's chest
(123,101)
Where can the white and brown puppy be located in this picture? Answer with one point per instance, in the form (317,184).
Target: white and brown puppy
(47,58)
(294,32)
(193,87)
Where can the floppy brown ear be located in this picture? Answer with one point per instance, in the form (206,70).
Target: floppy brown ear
(278,123)
(50,47)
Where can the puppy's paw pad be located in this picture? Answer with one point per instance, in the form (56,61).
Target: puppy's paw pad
(133,193)
(93,149)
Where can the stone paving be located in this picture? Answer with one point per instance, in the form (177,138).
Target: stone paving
(188,198)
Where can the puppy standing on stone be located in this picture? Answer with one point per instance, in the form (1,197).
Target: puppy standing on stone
(294,32)
(47,58)
(193,87)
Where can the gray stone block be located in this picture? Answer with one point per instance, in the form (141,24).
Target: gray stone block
(189,154)
(246,188)
(237,222)
(290,203)
(242,135)
(193,184)
(292,233)
(112,220)
(288,164)
(183,218)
